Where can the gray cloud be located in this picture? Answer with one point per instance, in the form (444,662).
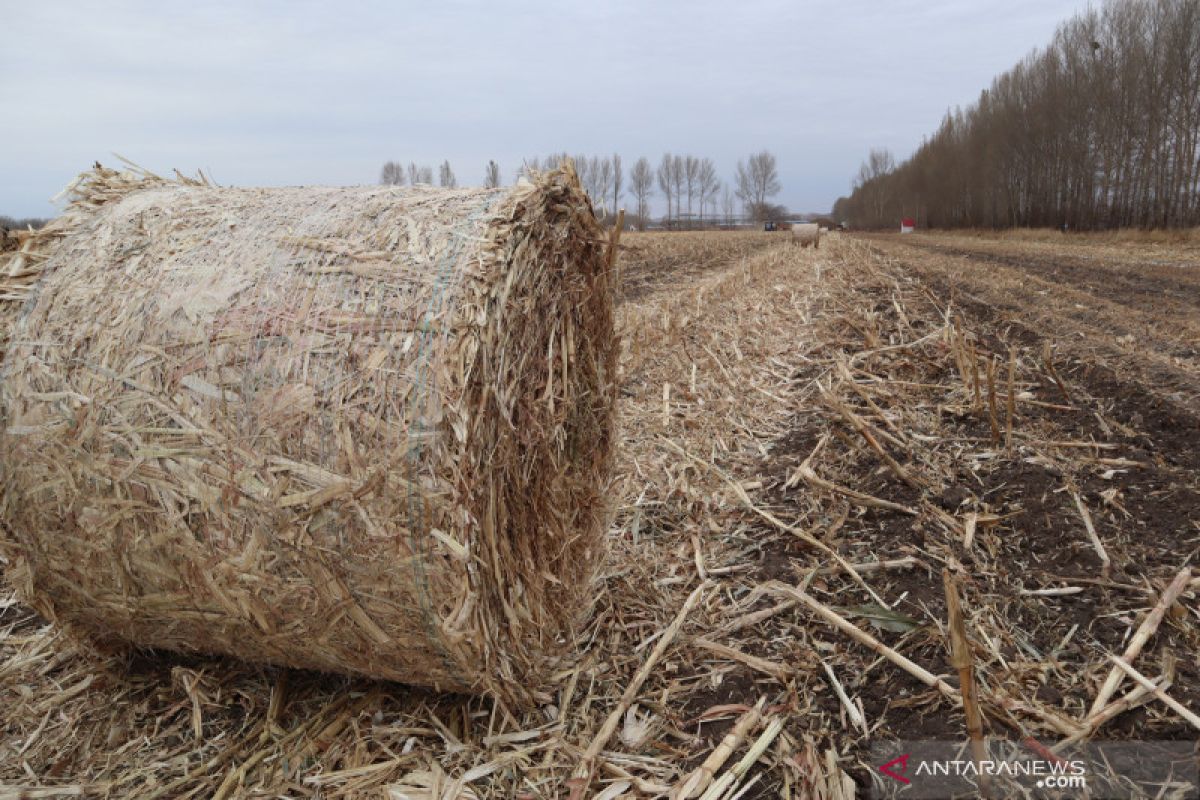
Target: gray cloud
(292,93)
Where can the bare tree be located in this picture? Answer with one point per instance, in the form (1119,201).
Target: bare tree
(678,172)
(583,167)
(1099,129)
(491,176)
(707,184)
(618,181)
(601,181)
(641,183)
(879,164)
(20,224)
(691,177)
(446,176)
(727,204)
(665,183)
(418,175)
(392,174)
(757,181)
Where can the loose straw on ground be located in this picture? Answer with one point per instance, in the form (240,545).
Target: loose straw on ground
(721,786)
(1144,632)
(585,769)
(1085,515)
(700,778)
(862,637)
(856,717)
(864,429)
(1135,697)
(779,672)
(740,491)
(1148,685)
(805,472)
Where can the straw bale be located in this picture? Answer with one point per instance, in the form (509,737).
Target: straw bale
(807,233)
(363,429)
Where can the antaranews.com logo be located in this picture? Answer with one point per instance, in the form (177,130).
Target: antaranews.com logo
(946,769)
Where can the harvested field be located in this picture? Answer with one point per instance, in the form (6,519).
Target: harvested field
(815,444)
(654,261)
(1133,306)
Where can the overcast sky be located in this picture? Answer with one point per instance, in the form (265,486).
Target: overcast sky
(298,92)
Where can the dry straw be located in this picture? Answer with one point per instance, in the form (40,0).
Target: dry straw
(359,429)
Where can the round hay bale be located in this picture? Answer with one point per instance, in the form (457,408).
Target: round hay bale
(806,233)
(365,430)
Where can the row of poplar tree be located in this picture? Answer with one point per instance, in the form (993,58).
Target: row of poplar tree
(1097,130)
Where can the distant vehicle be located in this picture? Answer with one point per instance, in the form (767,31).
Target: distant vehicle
(769,226)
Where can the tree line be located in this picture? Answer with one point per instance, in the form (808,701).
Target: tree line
(394,174)
(20,224)
(694,194)
(1099,129)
